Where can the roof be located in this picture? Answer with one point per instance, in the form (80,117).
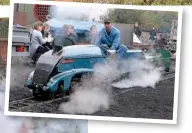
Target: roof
(78,25)
(82,50)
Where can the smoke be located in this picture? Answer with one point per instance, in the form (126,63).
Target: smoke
(95,92)
(140,78)
(20,70)
(10,122)
(58,126)
(61,12)
(87,101)
(32,125)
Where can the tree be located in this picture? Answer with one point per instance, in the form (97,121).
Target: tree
(4,2)
(140,2)
(148,19)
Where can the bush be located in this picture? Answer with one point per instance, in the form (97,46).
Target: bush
(4,2)
(140,2)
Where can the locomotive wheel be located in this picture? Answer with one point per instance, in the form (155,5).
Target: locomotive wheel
(77,80)
(60,89)
(47,95)
(74,84)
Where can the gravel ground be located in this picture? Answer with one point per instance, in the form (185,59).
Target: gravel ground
(19,74)
(137,103)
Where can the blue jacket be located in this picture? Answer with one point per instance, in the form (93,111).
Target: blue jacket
(112,40)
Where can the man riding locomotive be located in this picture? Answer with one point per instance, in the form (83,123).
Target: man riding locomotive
(109,38)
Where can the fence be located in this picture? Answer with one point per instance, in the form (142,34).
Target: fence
(4,25)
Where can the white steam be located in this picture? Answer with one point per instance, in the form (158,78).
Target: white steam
(87,101)
(61,12)
(95,92)
(30,125)
(20,70)
(140,78)
(8,124)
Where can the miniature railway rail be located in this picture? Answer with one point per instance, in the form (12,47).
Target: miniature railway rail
(167,76)
(31,101)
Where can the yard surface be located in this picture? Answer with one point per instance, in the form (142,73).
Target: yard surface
(137,102)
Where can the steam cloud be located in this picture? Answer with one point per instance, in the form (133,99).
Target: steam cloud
(95,93)
(85,13)
(20,71)
(4,120)
(32,125)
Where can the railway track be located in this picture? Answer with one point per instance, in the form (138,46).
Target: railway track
(31,101)
(167,76)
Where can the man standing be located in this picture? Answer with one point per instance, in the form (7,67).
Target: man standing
(109,37)
(153,34)
(137,30)
(161,41)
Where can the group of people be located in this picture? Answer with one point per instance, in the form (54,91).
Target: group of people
(42,40)
(137,31)
(161,41)
(108,37)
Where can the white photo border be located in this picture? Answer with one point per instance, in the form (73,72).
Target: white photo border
(177,9)
(4,11)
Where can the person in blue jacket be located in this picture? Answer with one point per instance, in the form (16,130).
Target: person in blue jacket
(109,38)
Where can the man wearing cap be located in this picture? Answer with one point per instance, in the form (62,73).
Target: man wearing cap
(109,36)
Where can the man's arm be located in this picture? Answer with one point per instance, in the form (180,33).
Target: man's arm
(116,41)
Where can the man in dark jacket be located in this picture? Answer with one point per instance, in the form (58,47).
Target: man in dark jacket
(64,38)
(137,30)
(153,34)
(161,41)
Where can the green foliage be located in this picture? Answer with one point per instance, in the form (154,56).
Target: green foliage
(147,19)
(140,2)
(134,2)
(4,2)
(4,25)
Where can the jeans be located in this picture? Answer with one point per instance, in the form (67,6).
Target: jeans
(121,51)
